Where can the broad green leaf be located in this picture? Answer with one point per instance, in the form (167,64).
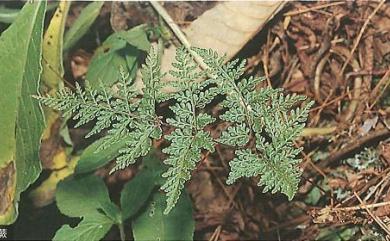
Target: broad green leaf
(137,191)
(83,196)
(87,197)
(21,121)
(91,159)
(116,52)
(152,224)
(136,37)
(82,24)
(91,228)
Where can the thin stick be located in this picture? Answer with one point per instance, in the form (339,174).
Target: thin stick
(58,75)
(265,60)
(377,220)
(384,81)
(354,145)
(177,31)
(361,34)
(359,207)
(317,77)
(313,8)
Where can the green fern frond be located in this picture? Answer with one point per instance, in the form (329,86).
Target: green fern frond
(255,113)
(123,113)
(148,126)
(189,138)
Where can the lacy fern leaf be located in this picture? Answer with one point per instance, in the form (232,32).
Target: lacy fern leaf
(258,114)
(126,116)
(189,138)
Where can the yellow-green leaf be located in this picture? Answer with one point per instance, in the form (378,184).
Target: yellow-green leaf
(53,69)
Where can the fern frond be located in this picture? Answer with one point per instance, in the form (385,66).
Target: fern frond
(255,113)
(148,127)
(189,138)
(124,114)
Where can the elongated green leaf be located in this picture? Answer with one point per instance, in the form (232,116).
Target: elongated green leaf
(8,15)
(53,69)
(121,49)
(82,196)
(82,24)
(21,121)
(92,159)
(153,224)
(91,228)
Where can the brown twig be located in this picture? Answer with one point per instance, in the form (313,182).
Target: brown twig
(313,8)
(359,37)
(266,59)
(355,145)
(359,207)
(376,218)
(349,113)
(319,131)
(377,92)
(317,77)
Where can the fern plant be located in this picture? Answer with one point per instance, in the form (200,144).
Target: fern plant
(263,122)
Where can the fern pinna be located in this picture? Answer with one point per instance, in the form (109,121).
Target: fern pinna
(263,122)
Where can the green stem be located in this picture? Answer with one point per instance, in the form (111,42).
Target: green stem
(320,131)
(121,231)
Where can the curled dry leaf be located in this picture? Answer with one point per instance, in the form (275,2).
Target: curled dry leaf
(227,27)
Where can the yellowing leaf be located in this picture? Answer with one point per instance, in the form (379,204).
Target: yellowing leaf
(53,69)
(44,194)
(53,153)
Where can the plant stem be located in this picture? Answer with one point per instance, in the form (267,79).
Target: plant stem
(177,31)
(121,231)
(321,131)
